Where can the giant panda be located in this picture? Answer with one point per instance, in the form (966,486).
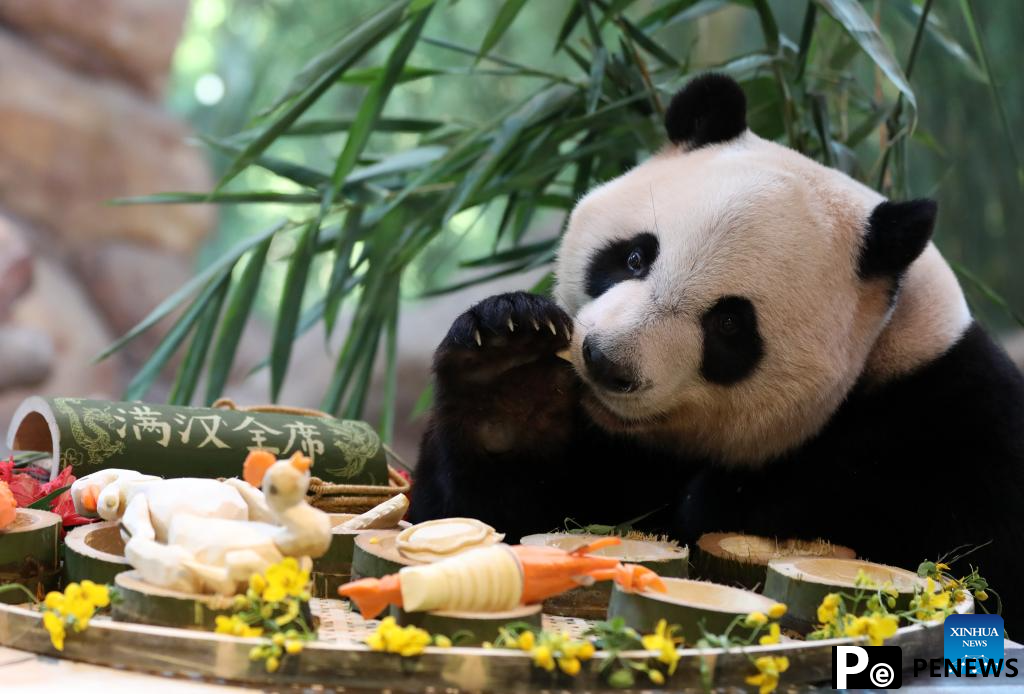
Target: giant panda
(758,343)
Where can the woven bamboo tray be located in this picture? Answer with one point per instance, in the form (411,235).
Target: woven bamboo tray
(339,660)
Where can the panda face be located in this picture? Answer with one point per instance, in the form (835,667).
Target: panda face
(717,299)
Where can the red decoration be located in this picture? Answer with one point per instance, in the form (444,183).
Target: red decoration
(27,490)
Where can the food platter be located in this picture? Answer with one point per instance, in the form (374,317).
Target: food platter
(339,659)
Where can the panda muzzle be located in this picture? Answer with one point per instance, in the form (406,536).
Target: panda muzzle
(606,372)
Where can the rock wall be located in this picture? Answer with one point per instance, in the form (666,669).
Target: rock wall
(81,122)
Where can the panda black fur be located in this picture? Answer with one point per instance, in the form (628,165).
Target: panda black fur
(758,344)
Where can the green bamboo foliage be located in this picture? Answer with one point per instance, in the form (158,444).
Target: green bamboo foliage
(837,91)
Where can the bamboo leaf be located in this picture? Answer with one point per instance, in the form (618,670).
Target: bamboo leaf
(942,36)
(316,79)
(303,175)
(506,15)
(240,303)
(409,160)
(423,403)
(516,253)
(596,78)
(290,305)
(572,18)
(855,20)
(192,365)
(220,198)
(387,422)
(352,46)
(545,285)
(373,103)
(215,269)
(369,76)
(647,43)
(336,285)
(148,373)
(987,291)
(679,12)
(979,47)
(326,126)
(480,279)
(544,105)
(43,503)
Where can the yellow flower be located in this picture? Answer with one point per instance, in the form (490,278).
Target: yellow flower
(54,600)
(55,625)
(663,642)
(931,605)
(777,611)
(877,627)
(74,607)
(257,583)
(284,579)
(768,670)
(292,647)
(80,609)
(828,610)
(391,638)
(72,591)
(586,651)
(570,666)
(656,676)
(442,641)
(98,595)
(981,595)
(236,626)
(527,640)
(882,627)
(774,635)
(755,619)
(272,664)
(418,640)
(542,658)
(939,566)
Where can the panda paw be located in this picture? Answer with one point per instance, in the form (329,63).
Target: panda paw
(505,330)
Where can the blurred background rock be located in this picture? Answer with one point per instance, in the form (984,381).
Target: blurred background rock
(99,99)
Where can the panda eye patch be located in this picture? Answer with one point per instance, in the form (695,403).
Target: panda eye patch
(726,324)
(625,259)
(733,346)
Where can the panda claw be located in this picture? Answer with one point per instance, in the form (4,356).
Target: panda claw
(536,325)
(551,327)
(511,325)
(476,336)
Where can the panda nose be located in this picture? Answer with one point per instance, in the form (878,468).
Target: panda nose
(606,372)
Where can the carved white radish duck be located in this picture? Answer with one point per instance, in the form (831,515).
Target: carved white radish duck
(201,535)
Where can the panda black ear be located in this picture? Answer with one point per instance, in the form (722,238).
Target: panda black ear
(708,110)
(897,233)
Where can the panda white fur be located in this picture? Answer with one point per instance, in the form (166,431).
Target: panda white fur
(759,344)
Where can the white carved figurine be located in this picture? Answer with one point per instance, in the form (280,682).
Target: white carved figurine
(201,535)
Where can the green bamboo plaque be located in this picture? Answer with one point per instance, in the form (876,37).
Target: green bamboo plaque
(171,441)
